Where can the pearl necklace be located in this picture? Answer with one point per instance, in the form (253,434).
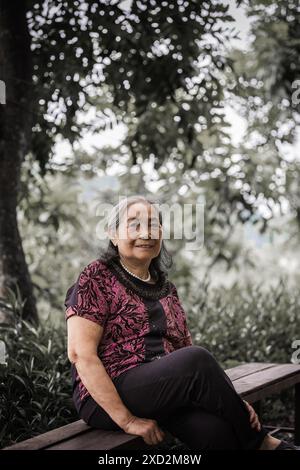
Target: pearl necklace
(134,275)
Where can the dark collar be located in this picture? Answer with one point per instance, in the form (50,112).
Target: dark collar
(149,291)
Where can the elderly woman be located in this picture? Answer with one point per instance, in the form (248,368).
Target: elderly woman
(134,366)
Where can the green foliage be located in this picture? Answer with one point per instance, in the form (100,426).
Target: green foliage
(124,60)
(55,224)
(246,322)
(165,72)
(35,386)
(267,93)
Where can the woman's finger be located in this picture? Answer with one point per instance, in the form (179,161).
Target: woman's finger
(159,434)
(251,413)
(256,423)
(254,420)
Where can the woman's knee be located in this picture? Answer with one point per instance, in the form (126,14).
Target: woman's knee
(201,359)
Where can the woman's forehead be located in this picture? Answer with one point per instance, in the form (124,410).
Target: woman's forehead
(141,211)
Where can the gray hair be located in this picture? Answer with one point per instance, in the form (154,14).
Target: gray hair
(160,264)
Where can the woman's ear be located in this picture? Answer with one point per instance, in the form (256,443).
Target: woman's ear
(112,238)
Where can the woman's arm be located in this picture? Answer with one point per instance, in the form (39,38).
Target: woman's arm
(86,313)
(83,340)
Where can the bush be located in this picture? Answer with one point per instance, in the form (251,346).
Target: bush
(35,387)
(245,323)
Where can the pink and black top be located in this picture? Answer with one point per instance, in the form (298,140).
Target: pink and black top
(141,321)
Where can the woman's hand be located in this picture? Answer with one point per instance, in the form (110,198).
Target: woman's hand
(147,428)
(253,417)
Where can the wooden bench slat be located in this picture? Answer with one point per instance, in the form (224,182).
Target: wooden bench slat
(51,437)
(260,384)
(78,435)
(247,369)
(101,440)
(261,393)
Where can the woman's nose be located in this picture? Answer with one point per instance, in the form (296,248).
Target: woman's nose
(145,232)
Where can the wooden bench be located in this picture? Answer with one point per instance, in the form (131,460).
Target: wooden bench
(253,381)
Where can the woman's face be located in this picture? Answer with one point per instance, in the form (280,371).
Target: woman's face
(139,235)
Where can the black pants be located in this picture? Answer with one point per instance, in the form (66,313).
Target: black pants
(187,393)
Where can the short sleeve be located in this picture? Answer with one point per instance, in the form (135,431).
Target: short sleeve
(184,337)
(86,298)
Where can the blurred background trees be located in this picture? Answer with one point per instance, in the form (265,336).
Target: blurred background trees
(161,76)
(65,60)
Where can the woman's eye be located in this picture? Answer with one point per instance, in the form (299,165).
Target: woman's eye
(133,224)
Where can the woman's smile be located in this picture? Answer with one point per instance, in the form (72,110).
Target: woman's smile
(145,247)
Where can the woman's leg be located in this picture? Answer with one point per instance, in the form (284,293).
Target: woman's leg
(189,376)
(200,430)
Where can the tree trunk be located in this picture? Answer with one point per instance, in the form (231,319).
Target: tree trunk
(15,137)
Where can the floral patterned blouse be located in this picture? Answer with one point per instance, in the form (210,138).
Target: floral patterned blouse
(141,321)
